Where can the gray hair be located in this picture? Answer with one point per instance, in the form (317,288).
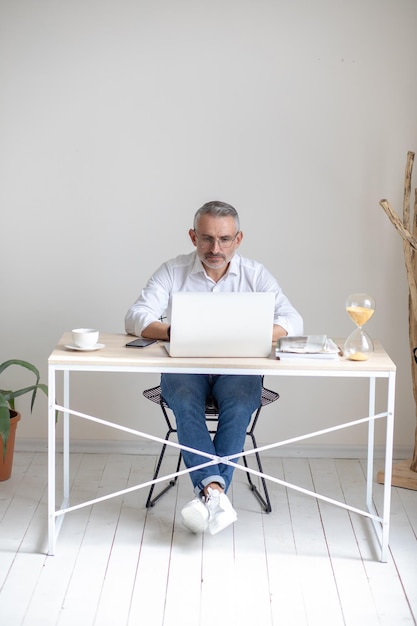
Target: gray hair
(217,209)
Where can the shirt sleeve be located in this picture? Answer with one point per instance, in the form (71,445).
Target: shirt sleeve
(287,316)
(152,303)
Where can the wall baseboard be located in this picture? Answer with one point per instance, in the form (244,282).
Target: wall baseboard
(150,448)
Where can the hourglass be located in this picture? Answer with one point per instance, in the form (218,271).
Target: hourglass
(360,307)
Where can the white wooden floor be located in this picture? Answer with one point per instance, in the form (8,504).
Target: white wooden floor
(119,564)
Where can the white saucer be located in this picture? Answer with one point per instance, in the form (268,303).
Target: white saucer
(98,346)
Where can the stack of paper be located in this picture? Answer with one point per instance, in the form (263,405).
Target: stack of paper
(309,346)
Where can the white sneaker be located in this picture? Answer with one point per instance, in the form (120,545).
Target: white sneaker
(195,516)
(221,512)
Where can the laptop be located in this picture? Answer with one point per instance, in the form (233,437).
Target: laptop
(221,324)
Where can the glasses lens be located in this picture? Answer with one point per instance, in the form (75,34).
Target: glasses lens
(223,242)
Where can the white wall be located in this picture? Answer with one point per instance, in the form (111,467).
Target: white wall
(118,119)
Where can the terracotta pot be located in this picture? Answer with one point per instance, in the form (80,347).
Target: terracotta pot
(7,462)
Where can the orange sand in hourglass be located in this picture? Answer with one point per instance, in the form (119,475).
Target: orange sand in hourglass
(360,314)
(357,356)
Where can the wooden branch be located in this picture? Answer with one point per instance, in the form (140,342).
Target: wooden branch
(413,253)
(413,230)
(415,214)
(412,284)
(409,252)
(413,332)
(407,190)
(410,258)
(404,232)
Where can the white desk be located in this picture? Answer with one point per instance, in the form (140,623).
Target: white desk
(115,357)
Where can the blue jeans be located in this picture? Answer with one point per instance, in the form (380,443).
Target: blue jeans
(237,398)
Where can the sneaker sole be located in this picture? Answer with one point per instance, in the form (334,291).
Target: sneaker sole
(220,522)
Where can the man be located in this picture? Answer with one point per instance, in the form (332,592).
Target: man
(213,266)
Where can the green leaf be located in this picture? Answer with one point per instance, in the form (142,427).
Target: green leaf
(8,396)
(4,424)
(20,363)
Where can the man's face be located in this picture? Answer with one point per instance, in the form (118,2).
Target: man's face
(216,240)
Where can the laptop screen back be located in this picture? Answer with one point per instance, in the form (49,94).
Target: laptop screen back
(221,324)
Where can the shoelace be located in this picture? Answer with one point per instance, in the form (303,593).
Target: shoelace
(213,502)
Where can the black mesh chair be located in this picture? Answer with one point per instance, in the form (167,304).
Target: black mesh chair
(212,412)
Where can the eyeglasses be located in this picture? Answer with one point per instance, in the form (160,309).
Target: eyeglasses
(208,242)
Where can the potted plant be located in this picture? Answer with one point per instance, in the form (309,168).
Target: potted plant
(9,416)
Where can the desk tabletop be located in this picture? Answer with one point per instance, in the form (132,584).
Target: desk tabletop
(154,358)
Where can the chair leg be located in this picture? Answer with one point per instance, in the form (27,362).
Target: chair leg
(264,501)
(150,502)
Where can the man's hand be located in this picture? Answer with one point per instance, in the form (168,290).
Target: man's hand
(157,330)
(278,332)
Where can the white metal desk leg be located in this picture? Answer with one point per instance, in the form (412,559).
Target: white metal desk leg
(388,467)
(51,460)
(371,443)
(66,435)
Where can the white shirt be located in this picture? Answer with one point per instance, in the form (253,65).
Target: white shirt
(186,273)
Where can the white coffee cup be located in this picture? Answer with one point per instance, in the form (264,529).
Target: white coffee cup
(85,337)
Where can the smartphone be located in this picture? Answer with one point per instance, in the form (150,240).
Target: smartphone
(141,342)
